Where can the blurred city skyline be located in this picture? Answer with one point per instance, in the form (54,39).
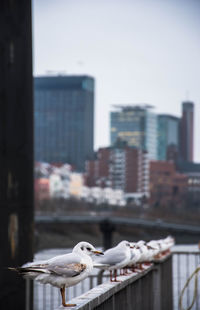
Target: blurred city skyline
(137,51)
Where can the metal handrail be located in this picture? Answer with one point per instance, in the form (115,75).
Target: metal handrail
(184,263)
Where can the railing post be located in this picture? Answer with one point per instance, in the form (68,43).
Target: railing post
(156,288)
(100,277)
(107,229)
(166,284)
(163,296)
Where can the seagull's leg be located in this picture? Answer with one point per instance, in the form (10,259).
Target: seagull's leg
(62,291)
(111,280)
(141,267)
(134,269)
(115,274)
(147,263)
(127,273)
(158,256)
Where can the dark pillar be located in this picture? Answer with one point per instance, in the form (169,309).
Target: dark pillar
(107,228)
(16,148)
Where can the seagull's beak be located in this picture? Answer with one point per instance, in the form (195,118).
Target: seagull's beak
(132,246)
(97,252)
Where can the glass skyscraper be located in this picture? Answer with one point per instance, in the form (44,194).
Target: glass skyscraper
(64,119)
(168,135)
(137,125)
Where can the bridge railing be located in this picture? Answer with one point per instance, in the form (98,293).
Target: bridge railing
(153,286)
(184,264)
(144,290)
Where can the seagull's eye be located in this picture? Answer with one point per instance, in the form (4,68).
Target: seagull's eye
(82,248)
(88,249)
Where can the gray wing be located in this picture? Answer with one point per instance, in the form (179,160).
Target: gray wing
(112,257)
(65,270)
(67,265)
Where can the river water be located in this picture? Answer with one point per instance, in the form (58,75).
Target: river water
(48,297)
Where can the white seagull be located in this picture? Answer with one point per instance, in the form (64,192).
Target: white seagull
(170,241)
(165,245)
(153,250)
(135,256)
(64,270)
(114,258)
(146,253)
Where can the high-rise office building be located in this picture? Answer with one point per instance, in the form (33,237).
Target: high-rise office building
(64,119)
(137,125)
(187,131)
(168,137)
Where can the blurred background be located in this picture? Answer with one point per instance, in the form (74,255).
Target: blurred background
(116,108)
(99,126)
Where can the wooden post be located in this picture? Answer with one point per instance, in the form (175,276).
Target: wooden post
(16,149)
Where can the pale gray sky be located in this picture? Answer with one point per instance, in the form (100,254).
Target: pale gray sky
(139,51)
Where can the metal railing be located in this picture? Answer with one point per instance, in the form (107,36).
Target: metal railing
(144,290)
(48,297)
(184,264)
(155,284)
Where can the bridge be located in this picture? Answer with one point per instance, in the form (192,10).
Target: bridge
(107,224)
(137,222)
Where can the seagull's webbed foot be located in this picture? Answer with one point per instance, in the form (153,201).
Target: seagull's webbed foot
(115,276)
(62,291)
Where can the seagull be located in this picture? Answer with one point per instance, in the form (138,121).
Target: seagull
(154,249)
(170,241)
(145,252)
(165,245)
(114,258)
(135,256)
(64,270)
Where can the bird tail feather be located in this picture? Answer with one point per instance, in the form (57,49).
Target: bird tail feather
(25,270)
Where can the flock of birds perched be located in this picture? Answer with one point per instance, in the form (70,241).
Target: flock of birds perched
(69,269)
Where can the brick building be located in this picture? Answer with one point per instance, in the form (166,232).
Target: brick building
(167,186)
(119,167)
(192,171)
(41,186)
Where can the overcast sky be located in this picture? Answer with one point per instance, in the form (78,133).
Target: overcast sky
(144,51)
